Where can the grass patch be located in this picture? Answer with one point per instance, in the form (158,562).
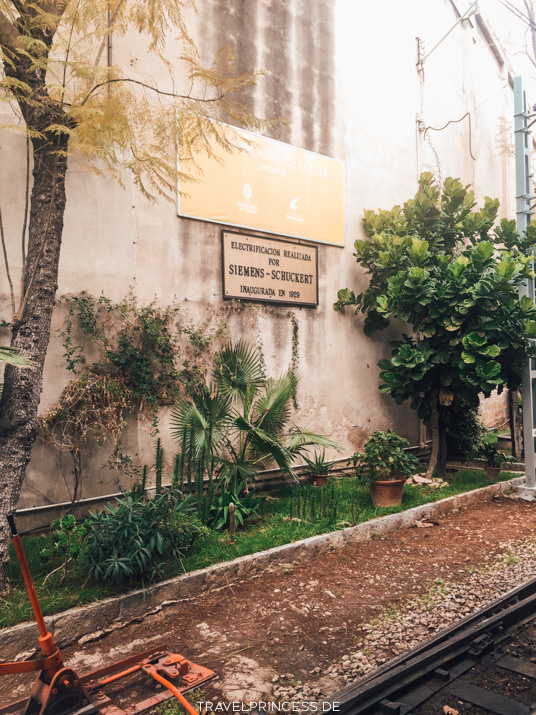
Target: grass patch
(273,529)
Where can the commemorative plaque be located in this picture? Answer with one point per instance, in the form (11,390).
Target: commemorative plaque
(269,270)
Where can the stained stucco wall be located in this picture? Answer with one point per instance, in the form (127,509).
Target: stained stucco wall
(342,74)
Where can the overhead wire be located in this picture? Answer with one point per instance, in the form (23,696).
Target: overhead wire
(517,13)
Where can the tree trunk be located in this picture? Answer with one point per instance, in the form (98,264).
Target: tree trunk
(441,466)
(434,423)
(516,425)
(31,332)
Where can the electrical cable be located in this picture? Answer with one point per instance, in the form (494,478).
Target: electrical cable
(516,10)
(524,18)
(455,121)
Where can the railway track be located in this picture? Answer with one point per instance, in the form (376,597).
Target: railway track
(485,663)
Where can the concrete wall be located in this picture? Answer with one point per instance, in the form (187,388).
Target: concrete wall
(343,76)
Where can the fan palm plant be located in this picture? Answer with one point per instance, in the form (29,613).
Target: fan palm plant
(242,418)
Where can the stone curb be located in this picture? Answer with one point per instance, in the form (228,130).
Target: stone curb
(90,621)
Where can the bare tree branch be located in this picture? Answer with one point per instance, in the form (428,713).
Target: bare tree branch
(529,7)
(147,86)
(8,273)
(110,27)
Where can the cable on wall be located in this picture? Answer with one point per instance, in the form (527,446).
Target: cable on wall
(454,121)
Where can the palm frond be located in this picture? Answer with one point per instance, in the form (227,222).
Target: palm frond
(265,446)
(272,410)
(236,474)
(298,440)
(239,372)
(206,419)
(13,357)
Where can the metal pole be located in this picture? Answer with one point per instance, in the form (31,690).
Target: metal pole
(524,214)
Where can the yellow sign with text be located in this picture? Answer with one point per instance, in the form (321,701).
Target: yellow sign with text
(269,186)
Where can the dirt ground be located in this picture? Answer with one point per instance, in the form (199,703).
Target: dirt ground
(289,622)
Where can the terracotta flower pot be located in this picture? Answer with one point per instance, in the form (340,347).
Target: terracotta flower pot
(319,479)
(387,493)
(492,473)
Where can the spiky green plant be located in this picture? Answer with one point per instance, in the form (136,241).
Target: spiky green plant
(242,418)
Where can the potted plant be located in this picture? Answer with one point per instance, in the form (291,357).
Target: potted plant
(488,449)
(384,465)
(319,468)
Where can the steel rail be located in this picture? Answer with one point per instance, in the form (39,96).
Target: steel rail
(467,638)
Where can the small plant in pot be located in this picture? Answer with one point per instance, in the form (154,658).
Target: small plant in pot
(488,449)
(319,468)
(384,465)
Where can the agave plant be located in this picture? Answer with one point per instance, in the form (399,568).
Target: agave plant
(242,418)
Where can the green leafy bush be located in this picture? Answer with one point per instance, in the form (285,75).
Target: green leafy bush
(131,541)
(383,458)
(453,274)
(463,432)
(488,449)
(245,508)
(67,543)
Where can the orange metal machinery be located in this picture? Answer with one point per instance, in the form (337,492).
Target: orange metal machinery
(58,690)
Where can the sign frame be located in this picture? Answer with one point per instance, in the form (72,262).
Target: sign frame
(252,137)
(257,299)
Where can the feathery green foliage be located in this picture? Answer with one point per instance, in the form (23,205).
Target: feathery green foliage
(115,117)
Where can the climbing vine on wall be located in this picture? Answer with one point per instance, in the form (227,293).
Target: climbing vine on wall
(145,357)
(131,358)
(295,360)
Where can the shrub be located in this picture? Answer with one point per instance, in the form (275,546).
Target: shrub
(67,543)
(131,541)
(383,458)
(246,506)
(488,449)
(463,432)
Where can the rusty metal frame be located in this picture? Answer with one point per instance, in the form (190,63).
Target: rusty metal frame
(58,689)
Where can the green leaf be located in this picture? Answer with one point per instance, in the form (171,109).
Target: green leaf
(490,350)
(345,297)
(484,250)
(526,303)
(13,357)
(530,328)
(474,340)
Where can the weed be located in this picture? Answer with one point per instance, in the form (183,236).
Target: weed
(173,707)
(511,560)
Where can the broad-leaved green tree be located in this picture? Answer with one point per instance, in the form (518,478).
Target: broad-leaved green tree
(452,274)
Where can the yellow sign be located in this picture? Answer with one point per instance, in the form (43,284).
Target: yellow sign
(269,270)
(269,186)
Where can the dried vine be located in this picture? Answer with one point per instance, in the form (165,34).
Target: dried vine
(143,364)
